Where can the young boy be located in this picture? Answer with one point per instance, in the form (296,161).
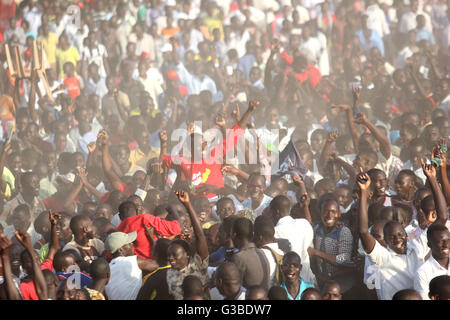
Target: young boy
(74,83)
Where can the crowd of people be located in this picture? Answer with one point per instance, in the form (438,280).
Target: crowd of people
(149,174)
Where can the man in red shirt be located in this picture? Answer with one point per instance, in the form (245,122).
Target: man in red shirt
(205,173)
(140,223)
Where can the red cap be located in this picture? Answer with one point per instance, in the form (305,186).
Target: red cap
(172,75)
(145,54)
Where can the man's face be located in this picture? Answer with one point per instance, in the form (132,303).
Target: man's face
(417,153)
(228,285)
(291,269)
(225,209)
(256,188)
(31,186)
(317,142)
(377,233)
(21,220)
(330,214)
(440,244)
(332,292)
(344,197)
(379,183)
(396,238)
(404,186)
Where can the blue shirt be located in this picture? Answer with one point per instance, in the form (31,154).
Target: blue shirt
(303,286)
(424,34)
(374,41)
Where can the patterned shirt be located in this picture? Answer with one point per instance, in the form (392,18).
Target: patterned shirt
(338,242)
(196,267)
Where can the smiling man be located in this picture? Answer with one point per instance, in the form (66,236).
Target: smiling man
(398,263)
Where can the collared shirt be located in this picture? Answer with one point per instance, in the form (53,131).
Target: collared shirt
(397,271)
(258,211)
(196,267)
(374,41)
(303,286)
(338,242)
(241,294)
(300,234)
(429,270)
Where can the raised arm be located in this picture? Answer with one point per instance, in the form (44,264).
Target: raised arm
(350,122)
(38,278)
(11,290)
(251,107)
(385,145)
(54,241)
(304,199)
(443,168)
(202,247)
(326,150)
(106,162)
(441,205)
(32,97)
(368,241)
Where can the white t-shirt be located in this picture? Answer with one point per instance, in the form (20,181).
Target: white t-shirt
(126,279)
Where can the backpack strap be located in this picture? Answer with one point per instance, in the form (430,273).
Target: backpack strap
(265,283)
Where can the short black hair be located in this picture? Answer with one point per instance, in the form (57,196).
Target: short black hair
(405,294)
(192,286)
(243,228)
(438,284)
(99,268)
(277,293)
(264,227)
(435,227)
(125,208)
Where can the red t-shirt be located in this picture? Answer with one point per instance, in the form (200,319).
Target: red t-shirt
(73,86)
(208,171)
(163,227)
(52,204)
(28,289)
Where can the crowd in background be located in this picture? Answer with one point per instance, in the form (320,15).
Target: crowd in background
(101,197)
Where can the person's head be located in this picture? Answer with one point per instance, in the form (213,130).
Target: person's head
(203,209)
(420,19)
(52,282)
(365,159)
(256,187)
(69,69)
(242,232)
(192,287)
(178,254)
(225,208)
(324,186)
(42,225)
(331,290)
(82,229)
(30,184)
(66,291)
(318,139)
(64,261)
(256,292)
(439,241)
(427,213)
(264,231)
(21,217)
(379,182)
(280,184)
(137,201)
(127,209)
(228,279)
(120,244)
(417,151)
(224,234)
(280,207)
(104,210)
(407,294)
(277,293)
(439,288)
(395,236)
(329,210)
(408,132)
(405,185)
(311,294)
(291,267)
(377,231)
(344,195)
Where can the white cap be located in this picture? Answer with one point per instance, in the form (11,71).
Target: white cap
(167,47)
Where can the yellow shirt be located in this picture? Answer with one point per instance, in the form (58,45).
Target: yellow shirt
(49,45)
(70,55)
(212,23)
(138,157)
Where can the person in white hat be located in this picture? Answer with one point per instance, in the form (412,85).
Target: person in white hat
(126,267)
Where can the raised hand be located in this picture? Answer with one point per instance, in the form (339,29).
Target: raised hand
(298,180)
(92,146)
(220,121)
(53,217)
(428,169)
(363,181)
(24,239)
(356,93)
(305,199)
(332,136)
(253,105)
(5,244)
(236,114)
(183,196)
(229,169)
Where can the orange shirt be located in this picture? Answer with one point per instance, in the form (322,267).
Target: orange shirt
(170,32)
